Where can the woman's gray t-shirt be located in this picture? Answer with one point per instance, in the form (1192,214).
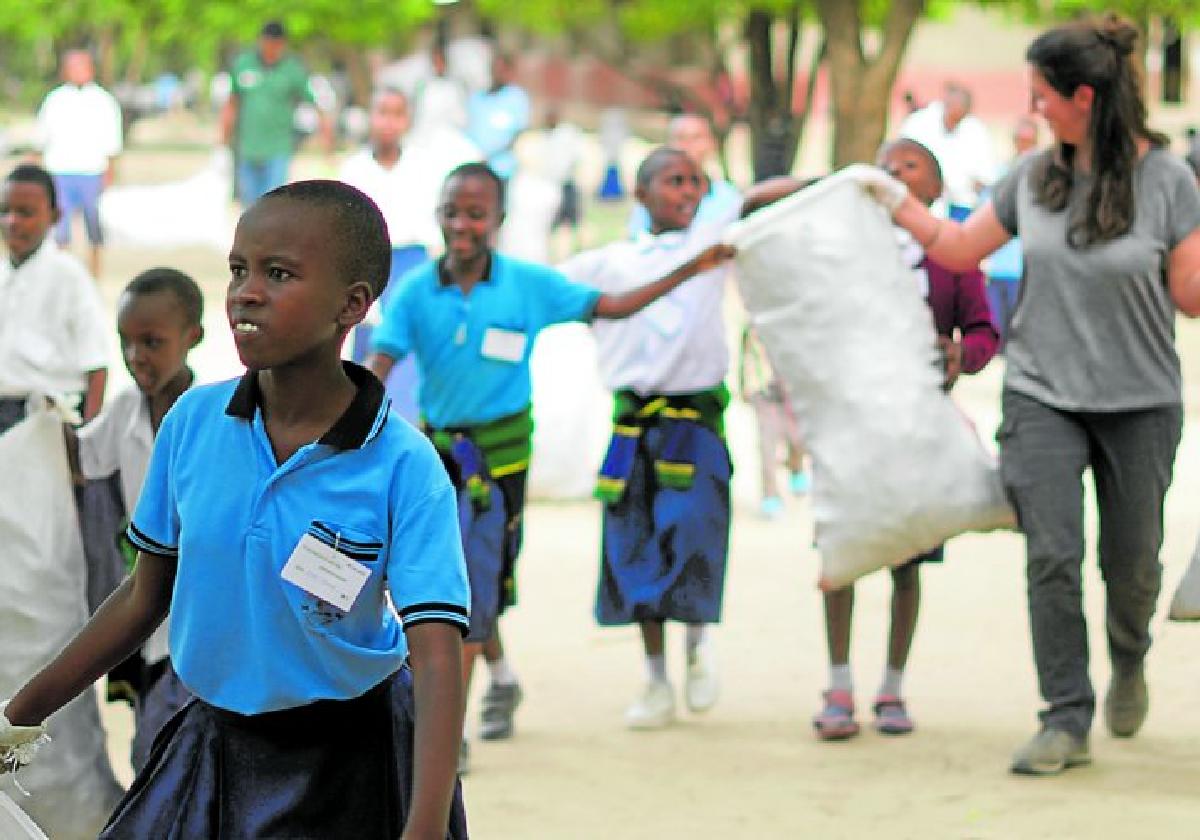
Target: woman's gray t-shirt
(1094,329)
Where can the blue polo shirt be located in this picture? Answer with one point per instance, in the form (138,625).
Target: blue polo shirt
(244,639)
(464,381)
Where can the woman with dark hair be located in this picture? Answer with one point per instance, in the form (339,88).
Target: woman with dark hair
(1110,223)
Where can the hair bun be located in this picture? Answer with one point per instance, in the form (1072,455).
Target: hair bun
(1118,33)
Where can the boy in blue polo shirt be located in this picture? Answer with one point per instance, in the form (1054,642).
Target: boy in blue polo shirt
(470,319)
(284,511)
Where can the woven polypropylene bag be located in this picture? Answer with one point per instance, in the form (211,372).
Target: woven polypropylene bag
(1185,606)
(897,468)
(15,824)
(43,604)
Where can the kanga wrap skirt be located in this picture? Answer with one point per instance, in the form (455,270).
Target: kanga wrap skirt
(664,550)
(325,771)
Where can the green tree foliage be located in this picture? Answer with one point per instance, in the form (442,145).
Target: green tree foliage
(136,38)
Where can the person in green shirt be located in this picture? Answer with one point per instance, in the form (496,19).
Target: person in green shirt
(256,123)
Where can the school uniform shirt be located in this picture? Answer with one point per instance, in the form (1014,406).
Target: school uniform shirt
(79,129)
(119,440)
(473,350)
(53,326)
(370,494)
(676,345)
(494,119)
(407,192)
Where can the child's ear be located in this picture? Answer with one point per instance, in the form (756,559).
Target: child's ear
(195,336)
(639,192)
(55,215)
(357,303)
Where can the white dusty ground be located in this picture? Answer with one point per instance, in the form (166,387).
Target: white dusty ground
(751,767)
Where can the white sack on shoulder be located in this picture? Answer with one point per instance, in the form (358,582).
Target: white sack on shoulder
(897,468)
(43,605)
(15,823)
(1185,606)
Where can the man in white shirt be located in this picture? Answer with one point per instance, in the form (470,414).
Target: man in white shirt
(79,133)
(402,172)
(960,142)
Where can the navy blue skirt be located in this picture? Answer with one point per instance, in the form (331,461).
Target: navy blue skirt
(163,694)
(325,771)
(664,550)
(491,543)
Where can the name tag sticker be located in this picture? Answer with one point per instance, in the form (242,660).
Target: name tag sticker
(504,345)
(325,573)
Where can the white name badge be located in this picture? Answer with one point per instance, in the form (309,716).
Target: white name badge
(325,573)
(504,345)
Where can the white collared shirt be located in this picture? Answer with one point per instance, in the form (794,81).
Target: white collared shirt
(676,345)
(79,129)
(407,193)
(120,439)
(53,325)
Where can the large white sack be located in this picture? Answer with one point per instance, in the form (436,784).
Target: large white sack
(572,414)
(15,824)
(42,605)
(191,212)
(897,468)
(1185,606)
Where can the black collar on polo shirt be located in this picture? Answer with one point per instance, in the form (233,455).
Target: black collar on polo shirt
(351,430)
(445,280)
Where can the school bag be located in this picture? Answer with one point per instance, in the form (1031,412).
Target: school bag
(1185,606)
(897,468)
(43,604)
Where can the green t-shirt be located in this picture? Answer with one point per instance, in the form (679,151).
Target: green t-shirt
(267,97)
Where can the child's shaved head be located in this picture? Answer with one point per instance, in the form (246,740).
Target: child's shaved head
(357,228)
(187,294)
(654,163)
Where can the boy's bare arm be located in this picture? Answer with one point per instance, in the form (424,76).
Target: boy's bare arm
(769,191)
(435,653)
(118,628)
(93,398)
(627,303)
(381,365)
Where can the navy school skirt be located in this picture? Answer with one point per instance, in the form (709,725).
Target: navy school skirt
(325,771)
(664,550)
(491,542)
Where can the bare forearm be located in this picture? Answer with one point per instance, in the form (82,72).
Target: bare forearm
(94,398)
(769,191)
(228,119)
(958,247)
(381,365)
(627,303)
(118,628)
(435,651)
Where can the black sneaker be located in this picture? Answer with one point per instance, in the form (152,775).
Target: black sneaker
(496,716)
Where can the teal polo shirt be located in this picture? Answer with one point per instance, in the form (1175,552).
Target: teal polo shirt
(473,350)
(267,98)
(242,637)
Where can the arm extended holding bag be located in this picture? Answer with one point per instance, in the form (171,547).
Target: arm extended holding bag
(118,628)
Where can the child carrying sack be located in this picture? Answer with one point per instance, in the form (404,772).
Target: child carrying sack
(43,604)
(897,468)
(1185,606)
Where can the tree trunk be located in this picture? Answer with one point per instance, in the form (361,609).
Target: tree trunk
(775,130)
(862,84)
(358,72)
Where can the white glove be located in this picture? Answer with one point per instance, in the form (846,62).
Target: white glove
(18,744)
(881,186)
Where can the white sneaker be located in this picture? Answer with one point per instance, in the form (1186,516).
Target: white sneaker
(702,686)
(654,708)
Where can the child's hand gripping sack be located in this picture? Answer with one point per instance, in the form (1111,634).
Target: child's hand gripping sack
(18,744)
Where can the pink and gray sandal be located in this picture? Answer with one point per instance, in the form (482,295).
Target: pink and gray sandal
(891,717)
(836,721)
